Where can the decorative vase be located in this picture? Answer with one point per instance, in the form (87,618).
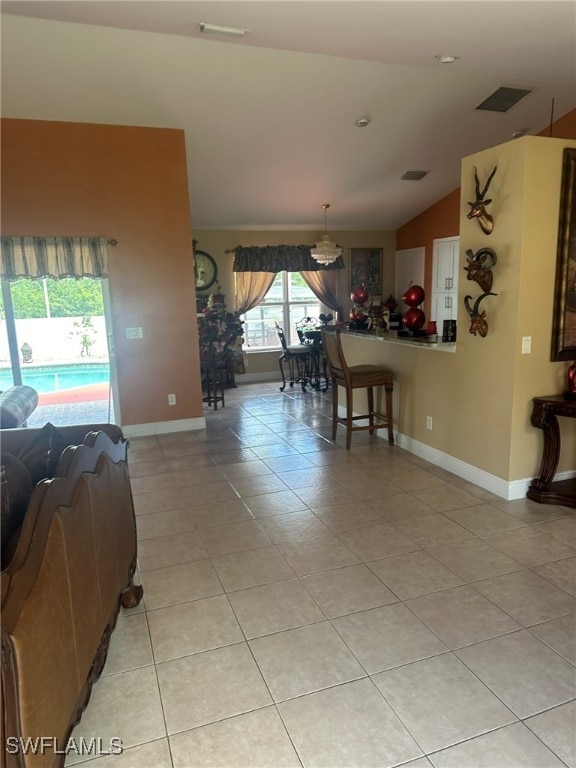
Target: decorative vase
(391,303)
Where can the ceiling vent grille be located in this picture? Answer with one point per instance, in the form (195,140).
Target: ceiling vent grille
(504,99)
(413,175)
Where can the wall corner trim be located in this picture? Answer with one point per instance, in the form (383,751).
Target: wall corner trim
(164,427)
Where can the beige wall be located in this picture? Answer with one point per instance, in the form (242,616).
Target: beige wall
(480,397)
(129,184)
(525,210)
(216,242)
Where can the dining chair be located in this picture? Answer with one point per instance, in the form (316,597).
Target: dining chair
(353,377)
(297,359)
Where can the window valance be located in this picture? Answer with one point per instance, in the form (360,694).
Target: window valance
(277,258)
(53,257)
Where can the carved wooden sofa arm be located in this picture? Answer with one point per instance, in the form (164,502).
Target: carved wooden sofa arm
(72,568)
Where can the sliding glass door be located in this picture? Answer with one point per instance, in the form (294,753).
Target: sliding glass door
(54,338)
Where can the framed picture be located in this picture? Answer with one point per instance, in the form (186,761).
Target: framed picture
(366,269)
(564,320)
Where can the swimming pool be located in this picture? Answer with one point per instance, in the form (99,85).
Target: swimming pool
(52,378)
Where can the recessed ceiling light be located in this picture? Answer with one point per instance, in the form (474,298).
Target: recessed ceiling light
(216,29)
(362,122)
(447,59)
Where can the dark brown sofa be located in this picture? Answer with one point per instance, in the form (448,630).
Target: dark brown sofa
(66,571)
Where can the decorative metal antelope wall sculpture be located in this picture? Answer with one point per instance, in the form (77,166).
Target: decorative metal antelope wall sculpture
(480,265)
(478,322)
(478,207)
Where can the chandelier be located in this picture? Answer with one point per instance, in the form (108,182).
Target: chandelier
(325,251)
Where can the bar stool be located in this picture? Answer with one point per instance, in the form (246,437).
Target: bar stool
(213,373)
(356,377)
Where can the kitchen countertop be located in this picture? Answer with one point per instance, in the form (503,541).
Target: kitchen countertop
(391,337)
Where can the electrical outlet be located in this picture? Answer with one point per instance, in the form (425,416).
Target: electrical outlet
(526,345)
(428,422)
(171,399)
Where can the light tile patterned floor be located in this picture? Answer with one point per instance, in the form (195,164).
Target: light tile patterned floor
(310,606)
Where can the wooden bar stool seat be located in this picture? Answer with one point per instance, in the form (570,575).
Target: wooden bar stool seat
(357,377)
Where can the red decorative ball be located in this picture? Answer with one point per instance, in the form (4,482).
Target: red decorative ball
(359,294)
(414,296)
(358,315)
(414,319)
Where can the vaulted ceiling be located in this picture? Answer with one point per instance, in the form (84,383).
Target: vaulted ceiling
(270,118)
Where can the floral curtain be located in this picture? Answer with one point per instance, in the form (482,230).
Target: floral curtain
(277,258)
(53,257)
(251,287)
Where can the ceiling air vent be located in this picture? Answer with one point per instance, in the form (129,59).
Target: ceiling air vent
(503,99)
(413,175)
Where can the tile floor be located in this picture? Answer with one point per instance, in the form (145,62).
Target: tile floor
(308,605)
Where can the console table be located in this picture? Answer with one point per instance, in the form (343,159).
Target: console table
(544,416)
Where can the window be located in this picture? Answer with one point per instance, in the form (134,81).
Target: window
(288,301)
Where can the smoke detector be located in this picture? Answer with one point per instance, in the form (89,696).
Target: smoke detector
(362,122)
(445,59)
(217,29)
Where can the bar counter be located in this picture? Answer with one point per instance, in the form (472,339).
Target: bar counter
(391,337)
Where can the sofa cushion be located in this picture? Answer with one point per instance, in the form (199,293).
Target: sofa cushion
(16,489)
(19,474)
(41,454)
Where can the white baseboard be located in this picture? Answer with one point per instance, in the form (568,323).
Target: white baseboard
(163,427)
(516,489)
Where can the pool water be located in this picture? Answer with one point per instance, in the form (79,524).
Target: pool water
(52,378)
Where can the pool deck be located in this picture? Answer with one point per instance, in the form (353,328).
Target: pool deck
(63,414)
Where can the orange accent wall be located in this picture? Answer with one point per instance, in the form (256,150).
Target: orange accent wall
(563,128)
(130,184)
(443,218)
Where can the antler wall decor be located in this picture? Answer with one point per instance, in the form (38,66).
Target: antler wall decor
(478,323)
(478,207)
(480,265)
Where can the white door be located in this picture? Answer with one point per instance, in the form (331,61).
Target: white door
(409,269)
